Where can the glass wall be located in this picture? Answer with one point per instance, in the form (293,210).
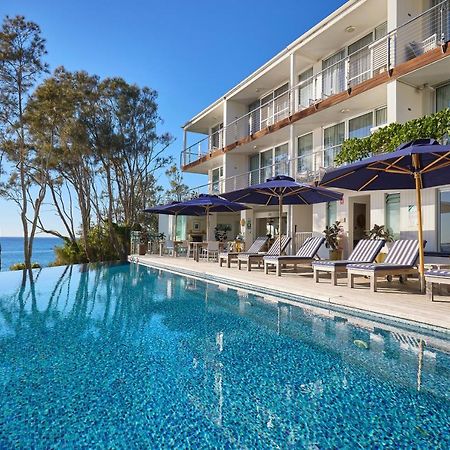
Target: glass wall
(266,165)
(392,210)
(444,221)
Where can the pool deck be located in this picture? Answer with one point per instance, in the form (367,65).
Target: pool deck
(392,301)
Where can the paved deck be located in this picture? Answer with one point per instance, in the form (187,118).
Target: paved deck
(393,300)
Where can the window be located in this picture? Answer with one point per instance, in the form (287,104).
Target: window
(443,97)
(360,126)
(392,203)
(266,165)
(444,221)
(381,31)
(254,169)
(217,136)
(274,161)
(332,142)
(381,116)
(304,153)
(331,213)
(217,174)
(254,123)
(274,106)
(333,78)
(359,68)
(306,88)
(281,160)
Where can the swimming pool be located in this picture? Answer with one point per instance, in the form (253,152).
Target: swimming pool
(127,356)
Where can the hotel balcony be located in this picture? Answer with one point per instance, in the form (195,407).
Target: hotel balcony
(419,43)
(306,168)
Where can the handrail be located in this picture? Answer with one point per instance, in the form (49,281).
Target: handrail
(397,50)
(313,164)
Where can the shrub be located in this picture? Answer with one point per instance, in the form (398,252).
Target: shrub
(388,138)
(21,266)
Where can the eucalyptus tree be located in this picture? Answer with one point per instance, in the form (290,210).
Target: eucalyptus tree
(22,51)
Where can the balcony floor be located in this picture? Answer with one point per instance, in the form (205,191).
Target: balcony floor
(393,301)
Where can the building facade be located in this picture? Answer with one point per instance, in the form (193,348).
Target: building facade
(370,63)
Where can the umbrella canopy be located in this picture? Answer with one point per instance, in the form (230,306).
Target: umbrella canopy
(283,190)
(204,204)
(415,165)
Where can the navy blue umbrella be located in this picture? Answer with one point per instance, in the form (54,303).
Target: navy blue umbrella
(415,165)
(204,204)
(283,190)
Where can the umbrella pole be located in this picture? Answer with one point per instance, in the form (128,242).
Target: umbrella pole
(207,224)
(418,181)
(280,214)
(174,235)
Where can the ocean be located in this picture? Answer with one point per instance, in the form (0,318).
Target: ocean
(12,250)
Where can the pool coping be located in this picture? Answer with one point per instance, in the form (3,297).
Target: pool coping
(409,325)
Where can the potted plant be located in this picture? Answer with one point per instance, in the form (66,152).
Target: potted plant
(220,232)
(380,232)
(333,238)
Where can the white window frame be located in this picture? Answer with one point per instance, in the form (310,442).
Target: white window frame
(272,115)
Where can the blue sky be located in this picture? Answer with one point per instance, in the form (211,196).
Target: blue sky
(191,52)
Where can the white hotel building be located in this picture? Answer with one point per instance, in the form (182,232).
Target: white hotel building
(370,63)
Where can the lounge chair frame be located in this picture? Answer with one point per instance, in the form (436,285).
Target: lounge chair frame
(339,267)
(291,260)
(407,267)
(257,258)
(230,257)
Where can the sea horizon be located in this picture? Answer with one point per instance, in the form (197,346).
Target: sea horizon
(12,250)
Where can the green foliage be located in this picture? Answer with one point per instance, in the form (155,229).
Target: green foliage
(100,246)
(333,235)
(21,266)
(388,138)
(380,232)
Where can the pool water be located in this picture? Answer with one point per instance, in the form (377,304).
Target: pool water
(125,356)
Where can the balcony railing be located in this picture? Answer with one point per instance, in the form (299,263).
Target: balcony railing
(417,36)
(306,168)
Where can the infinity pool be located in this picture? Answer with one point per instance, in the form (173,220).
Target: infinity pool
(125,356)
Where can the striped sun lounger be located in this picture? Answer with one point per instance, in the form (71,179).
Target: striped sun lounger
(400,260)
(274,250)
(366,251)
(230,257)
(306,253)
